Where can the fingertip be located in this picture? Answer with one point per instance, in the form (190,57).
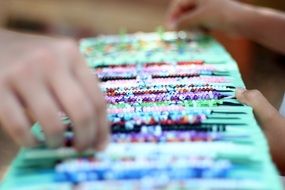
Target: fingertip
(171,25)
(103,136)
(84,133)
(79,149)
(81,146)
(83,142)
(102,145)
(239,92)
(180,25)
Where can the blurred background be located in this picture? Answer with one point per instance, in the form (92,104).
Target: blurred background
(261,68)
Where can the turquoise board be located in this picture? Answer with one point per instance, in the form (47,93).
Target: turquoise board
(174,119)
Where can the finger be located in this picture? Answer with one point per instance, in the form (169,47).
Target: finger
(190,20)
(43,107)
(103,136)
(178,8)
(30,115)
(263,110)
(78,107)
(90,85)
(270,120)
(14,120)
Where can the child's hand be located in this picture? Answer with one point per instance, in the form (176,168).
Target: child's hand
(44,76)
(271,122)
(210,14)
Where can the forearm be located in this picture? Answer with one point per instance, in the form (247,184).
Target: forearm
(262,25)
(275,135)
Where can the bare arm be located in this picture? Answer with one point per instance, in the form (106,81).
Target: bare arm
(262,25)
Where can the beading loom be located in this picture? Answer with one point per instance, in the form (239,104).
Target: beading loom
(175,123)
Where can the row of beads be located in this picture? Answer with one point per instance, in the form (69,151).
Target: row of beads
(102,163)
(162,81)
(132,128)
(130,44)
(189,134)
(140,91)
(150,69)
(131,66)
(169,136)
(185,103)
(165,97)
(155,72)
(168,132)
(127,110)
(144,47)
(170,87)
(128,76)
(79,170)
(152,118)
(146,67)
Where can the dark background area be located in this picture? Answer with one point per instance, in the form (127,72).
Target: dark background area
(261,68)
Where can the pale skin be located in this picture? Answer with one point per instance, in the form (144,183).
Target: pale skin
(262,25)
(40,76)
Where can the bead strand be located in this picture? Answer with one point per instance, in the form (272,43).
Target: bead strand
(186,103)
(176,97)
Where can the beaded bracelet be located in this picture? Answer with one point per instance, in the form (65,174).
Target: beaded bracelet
(123,133)
(176,97)
(185,103)
(201,79)
(150,67)
(179,108)
(153,68)
(153,89)
(164,132)
(111,92)
(173,67)
(93,163)
(133,128)
(135,124)
(129,75)
(168,136)
(168,100)
(162,81)
(189,85)
(161,74)
(90,169)
(185,117)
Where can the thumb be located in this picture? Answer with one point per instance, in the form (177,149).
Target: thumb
(263,110)
(190,20)
(271,122)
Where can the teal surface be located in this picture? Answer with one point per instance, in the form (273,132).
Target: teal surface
(35,168)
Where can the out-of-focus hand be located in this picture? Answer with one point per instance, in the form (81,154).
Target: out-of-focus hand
(209,14)
(44,76)
(271,122)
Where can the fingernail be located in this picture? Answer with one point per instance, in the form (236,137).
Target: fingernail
(240,90)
